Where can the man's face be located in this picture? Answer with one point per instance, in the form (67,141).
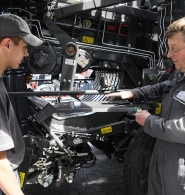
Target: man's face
(17,54)
(177,51)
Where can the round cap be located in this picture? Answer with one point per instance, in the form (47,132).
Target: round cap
(13,25)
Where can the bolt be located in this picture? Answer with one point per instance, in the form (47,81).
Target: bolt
(70,180)
(45,184)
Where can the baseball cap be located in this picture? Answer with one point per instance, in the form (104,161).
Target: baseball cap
(12,25)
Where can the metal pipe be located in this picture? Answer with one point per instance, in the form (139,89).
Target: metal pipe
(123,46)
(55,137)
(51,93)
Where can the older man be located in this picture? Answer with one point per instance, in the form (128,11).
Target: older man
(167,167)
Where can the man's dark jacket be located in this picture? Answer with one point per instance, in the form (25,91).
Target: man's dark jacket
(167,167)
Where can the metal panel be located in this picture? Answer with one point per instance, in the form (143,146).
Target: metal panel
(134,12)
(118,106)
(128,65)
(83,6)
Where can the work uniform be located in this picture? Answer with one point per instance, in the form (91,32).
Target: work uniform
(11,139)
(167,167)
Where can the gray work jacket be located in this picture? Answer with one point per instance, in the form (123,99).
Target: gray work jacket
(170,126)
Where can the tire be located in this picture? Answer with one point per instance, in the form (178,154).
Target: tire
(136,163)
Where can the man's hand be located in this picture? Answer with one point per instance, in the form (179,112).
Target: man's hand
(141,117)
(122,94)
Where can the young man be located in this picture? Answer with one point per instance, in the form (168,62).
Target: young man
(167,167)
(15,35)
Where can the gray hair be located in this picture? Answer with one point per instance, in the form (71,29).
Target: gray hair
(175,27)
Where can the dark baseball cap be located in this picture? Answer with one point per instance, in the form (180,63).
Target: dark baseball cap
(13,25)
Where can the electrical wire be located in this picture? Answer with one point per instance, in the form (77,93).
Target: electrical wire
(171,14)
(163,48)
(162,40)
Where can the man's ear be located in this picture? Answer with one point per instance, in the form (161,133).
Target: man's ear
(5,44)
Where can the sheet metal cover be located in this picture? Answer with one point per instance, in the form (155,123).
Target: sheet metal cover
(115,106)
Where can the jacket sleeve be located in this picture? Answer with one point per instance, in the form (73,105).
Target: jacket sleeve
(147,92)
(155,91)
(167,130)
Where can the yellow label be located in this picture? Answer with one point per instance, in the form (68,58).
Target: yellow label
(22,177)
(89,40)
(158,109)
(106,130)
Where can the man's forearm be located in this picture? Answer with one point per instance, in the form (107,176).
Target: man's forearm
(8,182)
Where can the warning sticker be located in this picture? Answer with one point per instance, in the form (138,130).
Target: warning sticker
(22,177)
(106,130)
(159,108)
(86,39)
